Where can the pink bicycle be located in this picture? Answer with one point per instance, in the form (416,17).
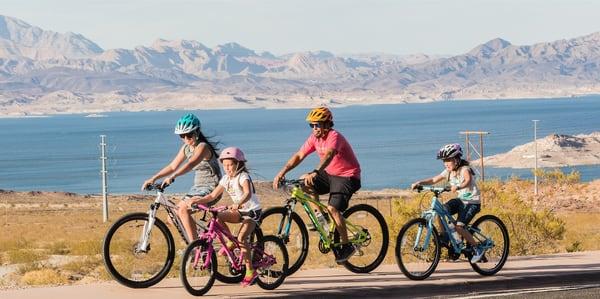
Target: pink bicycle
(199,264)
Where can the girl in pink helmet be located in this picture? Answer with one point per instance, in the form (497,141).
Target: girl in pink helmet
(246,206)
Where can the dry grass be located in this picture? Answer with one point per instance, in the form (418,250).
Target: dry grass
(71,225)
(583,231)
(43,277)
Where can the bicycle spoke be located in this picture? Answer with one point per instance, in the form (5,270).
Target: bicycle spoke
(130,264)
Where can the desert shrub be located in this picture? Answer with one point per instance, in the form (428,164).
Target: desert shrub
(59,247)
(83,266)
(86,247)
(14,244)
(21,256)
(574,247)
(557,176)
(43,277)
(530,231)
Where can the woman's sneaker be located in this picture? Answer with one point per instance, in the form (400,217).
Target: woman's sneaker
(249,279)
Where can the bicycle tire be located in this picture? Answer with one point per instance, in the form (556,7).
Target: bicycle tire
(505,246)
(270,279)
(188,266)
(400,250)
(381,251)
(120,225)
(297,251)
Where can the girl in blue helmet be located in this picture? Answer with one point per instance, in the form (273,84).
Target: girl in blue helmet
(199,154)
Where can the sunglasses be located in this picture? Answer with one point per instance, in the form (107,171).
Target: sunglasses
(186,135)
(317,125)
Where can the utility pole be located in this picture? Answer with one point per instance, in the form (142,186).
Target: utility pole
(103,173)
(470,147)
(535,156)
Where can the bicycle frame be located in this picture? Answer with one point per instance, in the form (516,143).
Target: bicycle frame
(297,194)
(170,207)
(438,209)
(216,231)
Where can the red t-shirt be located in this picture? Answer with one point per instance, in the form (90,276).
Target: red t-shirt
(344,163)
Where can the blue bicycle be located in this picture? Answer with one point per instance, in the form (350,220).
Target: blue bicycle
(418,246)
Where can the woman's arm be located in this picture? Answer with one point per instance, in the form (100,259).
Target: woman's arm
(201,152)
(170,168)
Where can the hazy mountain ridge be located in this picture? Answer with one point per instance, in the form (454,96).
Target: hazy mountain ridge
(36,64)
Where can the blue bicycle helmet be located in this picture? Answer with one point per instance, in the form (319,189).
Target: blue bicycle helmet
(187,123)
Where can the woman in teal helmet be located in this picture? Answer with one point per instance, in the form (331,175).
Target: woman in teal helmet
(199,154)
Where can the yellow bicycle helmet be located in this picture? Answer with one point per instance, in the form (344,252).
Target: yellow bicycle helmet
(319,114)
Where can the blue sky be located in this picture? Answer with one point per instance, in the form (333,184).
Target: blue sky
(280,26)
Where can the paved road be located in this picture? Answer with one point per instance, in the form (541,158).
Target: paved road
(386,281)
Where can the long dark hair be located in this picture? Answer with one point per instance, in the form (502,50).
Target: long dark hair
(462,162)
(212,145)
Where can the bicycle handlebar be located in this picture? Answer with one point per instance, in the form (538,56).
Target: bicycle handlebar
(210,209)
(156,186)
(437,190)
(294,182)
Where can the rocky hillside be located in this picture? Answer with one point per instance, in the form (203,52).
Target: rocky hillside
(39,69)
(553,151)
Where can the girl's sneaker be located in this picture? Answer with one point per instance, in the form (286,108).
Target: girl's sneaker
(249,279)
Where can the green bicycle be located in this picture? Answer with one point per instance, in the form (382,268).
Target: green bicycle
(367,230)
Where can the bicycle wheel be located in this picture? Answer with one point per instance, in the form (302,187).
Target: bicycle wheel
(226,273)
(368,232)
(270,259)
(416,259)
(274,222)
(130,266)
(492,234)
(196,276)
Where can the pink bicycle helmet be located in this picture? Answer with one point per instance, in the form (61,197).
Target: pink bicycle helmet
(232,153)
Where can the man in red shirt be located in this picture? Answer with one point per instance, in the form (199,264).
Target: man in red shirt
(338,172)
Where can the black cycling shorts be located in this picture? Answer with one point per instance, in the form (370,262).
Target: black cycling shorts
(340,188)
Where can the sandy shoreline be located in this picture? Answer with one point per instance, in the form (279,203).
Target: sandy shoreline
(66,103)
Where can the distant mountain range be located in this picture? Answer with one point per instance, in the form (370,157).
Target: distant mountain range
(45,72)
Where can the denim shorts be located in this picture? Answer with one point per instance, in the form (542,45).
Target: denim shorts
(466,212)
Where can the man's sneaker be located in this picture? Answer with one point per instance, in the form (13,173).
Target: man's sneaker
(344,253)
(477,254)
(311,227)
(249,279)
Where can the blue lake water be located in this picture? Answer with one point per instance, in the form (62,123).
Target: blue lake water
(395,144)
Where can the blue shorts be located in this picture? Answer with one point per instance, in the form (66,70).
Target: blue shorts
(466,212)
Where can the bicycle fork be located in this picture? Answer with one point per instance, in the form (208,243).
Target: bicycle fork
(425,246)
(144,241)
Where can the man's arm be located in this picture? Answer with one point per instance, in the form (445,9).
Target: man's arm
(325,160)
(291,164)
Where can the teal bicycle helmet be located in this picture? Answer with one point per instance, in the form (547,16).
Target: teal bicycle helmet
(187,123)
